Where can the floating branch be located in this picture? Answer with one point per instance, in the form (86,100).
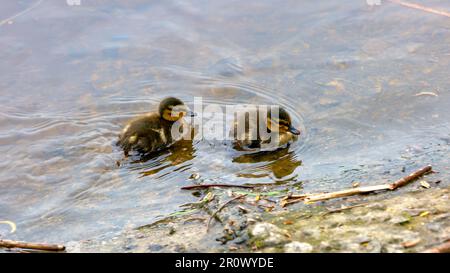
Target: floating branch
(25,245)
(205,186)
(314,197)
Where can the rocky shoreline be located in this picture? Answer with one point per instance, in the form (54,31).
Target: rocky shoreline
(409,222)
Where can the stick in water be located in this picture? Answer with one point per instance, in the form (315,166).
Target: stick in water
(420,7)
(193,187)
(25,245)
(314,197)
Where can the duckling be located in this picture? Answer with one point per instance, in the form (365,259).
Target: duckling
(152,132)
(249,138)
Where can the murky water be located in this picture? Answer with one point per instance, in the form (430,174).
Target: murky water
(351,75)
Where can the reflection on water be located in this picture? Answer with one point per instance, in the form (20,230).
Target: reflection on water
(279,163)
(177,154)
(71,76)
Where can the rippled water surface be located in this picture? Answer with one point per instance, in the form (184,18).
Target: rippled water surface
(351,75)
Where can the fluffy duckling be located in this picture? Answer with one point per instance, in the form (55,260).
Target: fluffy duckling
(249,138)
(152,132)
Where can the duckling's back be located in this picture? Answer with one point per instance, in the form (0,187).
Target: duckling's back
(246,130)
(249,135)
(145,134)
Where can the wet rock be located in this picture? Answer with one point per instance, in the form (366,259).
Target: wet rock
(392,249)
(264,229)
(351,247)
(335,224)
(275,239)
(363,239)
(330,246)
(194,176)
(269,234)
(325,247)
(179,248)
(270,250)
(443,217)
(378,217)
(400,220)
(298,247)
(434,227)
(377,206)
(73,247)
(308,233)
(413,212)
(374,246)
(171,230)
(129,247)
(154,247)
(241,239)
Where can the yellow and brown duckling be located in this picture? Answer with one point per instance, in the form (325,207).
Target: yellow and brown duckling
(276,126)
(152,132)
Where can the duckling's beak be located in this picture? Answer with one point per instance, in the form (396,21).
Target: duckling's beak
(190,114)
(294,131)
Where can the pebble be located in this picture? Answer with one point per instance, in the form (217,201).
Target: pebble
(194,176)
(441,218)
(434,227)
(363,239)
(298,247)
(377,206)
(265,229)
(400,220)
(154,247)
(269,233)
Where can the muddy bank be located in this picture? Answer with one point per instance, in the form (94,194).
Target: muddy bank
(410,222)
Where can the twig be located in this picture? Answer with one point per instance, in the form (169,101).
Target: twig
(420,7)
(442,248)
(21,13)
(39,246)
(314,197)
(27,250)
(204,186)
(344,193)
(405,180)
(220,208)
(190,219)
(412,243)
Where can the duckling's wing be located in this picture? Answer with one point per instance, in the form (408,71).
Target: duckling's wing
(144,134)
(243,140)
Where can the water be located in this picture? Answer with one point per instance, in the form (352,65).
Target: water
(70,77)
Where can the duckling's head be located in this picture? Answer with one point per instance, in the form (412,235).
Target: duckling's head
(282,123)
(172,109)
